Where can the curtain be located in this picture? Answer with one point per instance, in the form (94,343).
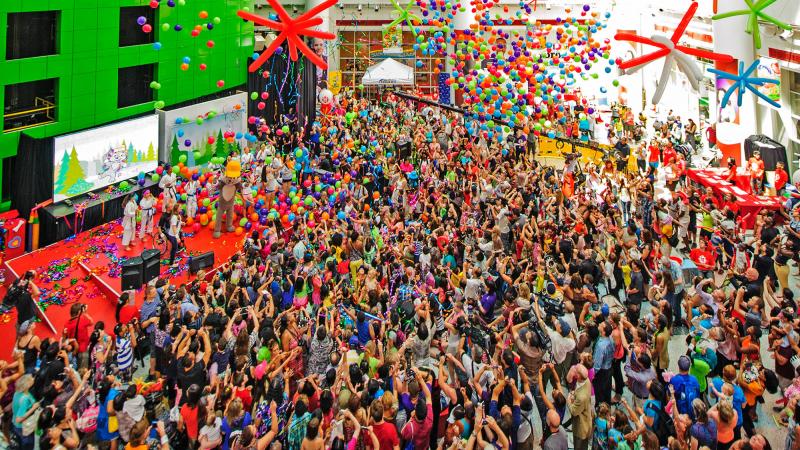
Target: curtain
(291,85)
(35,156)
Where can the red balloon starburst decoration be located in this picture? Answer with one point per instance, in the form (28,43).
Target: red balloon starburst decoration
(292,30)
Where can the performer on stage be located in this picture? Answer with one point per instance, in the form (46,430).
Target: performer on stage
(148,212)
(167,185)
(756,167)
(174,232)
(129,221)
(192,186)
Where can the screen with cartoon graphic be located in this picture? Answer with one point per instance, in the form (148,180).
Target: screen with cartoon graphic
(99,157)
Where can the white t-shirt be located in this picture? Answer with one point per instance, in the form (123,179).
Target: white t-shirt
(174,226)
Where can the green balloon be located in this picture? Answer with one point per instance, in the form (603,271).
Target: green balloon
(176,170)
(206,202)
(298,153)
(182,158)
(254,96)
(124,185)
(165,26)
(264,354)
(285,128)
(199,121)
(155,177)
(243,222)
(159,104)
(217,20)
(197,155)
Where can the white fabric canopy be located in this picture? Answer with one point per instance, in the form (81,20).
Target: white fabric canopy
(389,72)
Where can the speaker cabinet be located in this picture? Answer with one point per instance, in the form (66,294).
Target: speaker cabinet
(132,273)
(151,269)
(201,261)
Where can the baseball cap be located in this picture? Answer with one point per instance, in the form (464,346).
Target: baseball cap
(684,363)
(353,341)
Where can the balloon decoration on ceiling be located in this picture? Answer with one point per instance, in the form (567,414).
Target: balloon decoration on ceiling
(755,13)
(404,15)
(742,82)
(292,32)
(673,53)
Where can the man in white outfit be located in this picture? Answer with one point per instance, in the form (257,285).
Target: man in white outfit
(148,212)
(167,185)
(191,196)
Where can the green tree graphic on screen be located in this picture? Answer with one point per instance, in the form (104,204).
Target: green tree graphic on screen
(151,154)
(74,173)
(61,178)
(175,150)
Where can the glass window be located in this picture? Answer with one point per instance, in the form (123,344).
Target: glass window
(31,34)
(134,85)
(29,104)
(130,32)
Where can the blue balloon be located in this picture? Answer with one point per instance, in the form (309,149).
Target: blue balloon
(187,60)
(157,46)
(179,120)
(180,133)
(341,215)
(239,135)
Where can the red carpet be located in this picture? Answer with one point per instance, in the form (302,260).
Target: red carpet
(63,281)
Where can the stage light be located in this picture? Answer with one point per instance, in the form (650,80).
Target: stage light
(294,9)
(377,8)
(359,7)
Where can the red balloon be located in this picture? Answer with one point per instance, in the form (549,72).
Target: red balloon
(203,67)
(147,28)
(211,139)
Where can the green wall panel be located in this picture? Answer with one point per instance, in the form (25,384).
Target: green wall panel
(89,57)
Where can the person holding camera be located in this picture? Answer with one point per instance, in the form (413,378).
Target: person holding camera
(80,327)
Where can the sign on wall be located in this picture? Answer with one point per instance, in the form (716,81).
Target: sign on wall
(203,131)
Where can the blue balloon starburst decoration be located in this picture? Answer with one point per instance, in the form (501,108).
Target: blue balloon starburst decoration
(742,82)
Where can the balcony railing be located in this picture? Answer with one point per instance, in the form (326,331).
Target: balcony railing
(42,113)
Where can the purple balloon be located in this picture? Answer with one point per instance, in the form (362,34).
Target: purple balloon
(141,20)
(187,143)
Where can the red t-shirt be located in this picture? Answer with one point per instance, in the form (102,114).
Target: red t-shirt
(84,324)
(128,313)
(190,420)
(387,435)
(781,178)
(654,154)
(669,154)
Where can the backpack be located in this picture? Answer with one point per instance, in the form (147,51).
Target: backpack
(684,396)
(14,294)
(664,427)
(87,422)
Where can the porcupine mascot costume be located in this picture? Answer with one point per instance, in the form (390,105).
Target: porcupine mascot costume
(228,184)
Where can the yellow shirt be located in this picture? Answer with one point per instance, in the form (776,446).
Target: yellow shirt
(626,274)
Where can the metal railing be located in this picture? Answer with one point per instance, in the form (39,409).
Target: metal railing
(42,113)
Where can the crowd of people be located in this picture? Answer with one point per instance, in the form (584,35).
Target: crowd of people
(462,300)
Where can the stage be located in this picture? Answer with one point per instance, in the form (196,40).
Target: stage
(86,268)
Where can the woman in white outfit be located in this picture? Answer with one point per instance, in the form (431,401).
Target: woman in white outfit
(167,185)
(129,221)
(148,205)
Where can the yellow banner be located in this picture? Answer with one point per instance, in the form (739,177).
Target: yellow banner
(335,81)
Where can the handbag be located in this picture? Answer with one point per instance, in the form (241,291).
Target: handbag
(30,423)
(113,424)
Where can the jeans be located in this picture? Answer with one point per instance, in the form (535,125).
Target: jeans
(602,386)
(25,442)
(173,248)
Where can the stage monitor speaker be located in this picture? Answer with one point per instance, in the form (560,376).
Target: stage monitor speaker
(132,273)
(403,149)
(151,268)
(202,261)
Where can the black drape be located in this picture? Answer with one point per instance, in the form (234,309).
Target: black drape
(772,152)
(292,88)
(33,174)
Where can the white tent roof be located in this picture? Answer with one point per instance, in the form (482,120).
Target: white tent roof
(389,72)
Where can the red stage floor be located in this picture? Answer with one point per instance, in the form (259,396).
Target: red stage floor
(63,281)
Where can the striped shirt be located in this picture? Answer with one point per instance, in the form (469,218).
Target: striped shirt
(124,353)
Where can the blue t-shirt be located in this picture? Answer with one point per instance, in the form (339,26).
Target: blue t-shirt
(363,332)
(738,397)
(228,429)
(102,418)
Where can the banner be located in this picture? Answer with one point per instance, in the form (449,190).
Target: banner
(769,68)
(392,39)
(335,81)
(203,131)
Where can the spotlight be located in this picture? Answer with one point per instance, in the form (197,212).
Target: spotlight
(359,7)
(294,9)
(377,8)
(341,6)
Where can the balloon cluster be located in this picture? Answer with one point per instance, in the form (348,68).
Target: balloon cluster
(206,23)
(508,76)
